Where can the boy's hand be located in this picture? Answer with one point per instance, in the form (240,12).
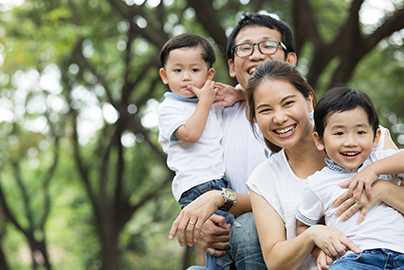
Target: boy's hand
(207,92)
(323,261)
(228,95)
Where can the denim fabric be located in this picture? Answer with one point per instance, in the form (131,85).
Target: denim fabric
(371,259)
(212,263)
(244,244)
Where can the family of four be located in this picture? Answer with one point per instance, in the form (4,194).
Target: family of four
(261,186)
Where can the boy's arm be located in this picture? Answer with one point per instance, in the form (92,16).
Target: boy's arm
(300,227)
(192,131)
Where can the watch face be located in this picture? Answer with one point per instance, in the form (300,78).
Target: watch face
(230,194)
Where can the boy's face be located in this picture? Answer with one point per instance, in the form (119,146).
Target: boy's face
(184,67)
(242,68)
(348,138)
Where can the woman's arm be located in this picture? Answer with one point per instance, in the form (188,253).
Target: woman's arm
(199,211)
(280,253)
(364,179)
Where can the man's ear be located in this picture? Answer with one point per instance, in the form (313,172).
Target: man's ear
(163,75)
(377,138)
(319,144)
(211,73)
(232,71)
(291,58)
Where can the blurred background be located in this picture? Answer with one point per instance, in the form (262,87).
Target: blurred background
(83,181)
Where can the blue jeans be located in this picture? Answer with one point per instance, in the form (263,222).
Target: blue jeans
(245,249)
(371,259)
(222,263)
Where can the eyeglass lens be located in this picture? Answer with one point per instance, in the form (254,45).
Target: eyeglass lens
(265,47)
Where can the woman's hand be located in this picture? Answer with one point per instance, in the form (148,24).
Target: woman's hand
(331,240)
(362,181)
(348,206)
(323,261)
(193,216)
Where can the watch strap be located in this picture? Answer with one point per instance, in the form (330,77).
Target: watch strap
(226,206)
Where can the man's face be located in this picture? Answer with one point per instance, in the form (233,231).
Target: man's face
(242,68)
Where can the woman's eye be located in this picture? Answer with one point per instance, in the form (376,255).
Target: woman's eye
(287,103)
(264,110)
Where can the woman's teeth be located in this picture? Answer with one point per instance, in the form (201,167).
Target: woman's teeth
(285,130)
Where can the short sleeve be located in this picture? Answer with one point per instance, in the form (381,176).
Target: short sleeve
(262,182)
(311,210)
(170,119)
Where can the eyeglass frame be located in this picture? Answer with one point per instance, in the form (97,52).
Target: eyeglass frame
(280,43)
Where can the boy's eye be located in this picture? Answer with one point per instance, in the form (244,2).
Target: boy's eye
(177,70)
(195,70)
(361,132)
(339,133)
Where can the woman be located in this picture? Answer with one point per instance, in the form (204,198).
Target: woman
(280,101)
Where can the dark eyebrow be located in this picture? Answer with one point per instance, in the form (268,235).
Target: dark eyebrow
(282,100)
(357,125)
(287,97)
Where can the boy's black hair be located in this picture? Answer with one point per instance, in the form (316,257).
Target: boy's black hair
(341,99)
(257,19)
(188,40)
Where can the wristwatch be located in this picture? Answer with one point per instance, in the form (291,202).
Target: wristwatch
(230,198)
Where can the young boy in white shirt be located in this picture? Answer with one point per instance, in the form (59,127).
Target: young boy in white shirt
(346,128)
(189,122)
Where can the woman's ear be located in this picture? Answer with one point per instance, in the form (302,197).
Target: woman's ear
(310,102)
(377,138)
(318,142)
(163,75)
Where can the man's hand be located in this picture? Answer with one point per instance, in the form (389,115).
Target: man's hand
(191,219)
(215,236)
(228,95)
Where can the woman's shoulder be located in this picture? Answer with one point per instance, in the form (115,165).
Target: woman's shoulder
(272,165)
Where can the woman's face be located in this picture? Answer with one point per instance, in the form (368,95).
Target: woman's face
(282,113)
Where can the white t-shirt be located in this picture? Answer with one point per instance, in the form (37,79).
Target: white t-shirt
(243,151)
(196,163)
(275,181)
(383,226)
